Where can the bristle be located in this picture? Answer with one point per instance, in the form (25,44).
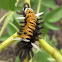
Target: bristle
(36,39)
(32,53)
(23,54)
(39,18)
(40,23)
(39,33)
(35,46)
(19,33)
(23,50)
(22,22)
(38,14)
(29,56)
(20,18)
(26,5)
(40,27)
(19,13)
(20,30)
(17,38)
(17,51)
(22,26)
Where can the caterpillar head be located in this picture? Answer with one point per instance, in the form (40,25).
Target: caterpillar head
(28,10)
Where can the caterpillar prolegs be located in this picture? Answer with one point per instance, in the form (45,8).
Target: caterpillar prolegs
(29,33)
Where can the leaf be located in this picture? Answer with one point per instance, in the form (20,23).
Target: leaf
(44,31)
(17,59)
(51,26)
(34,5)
(6,21)
(49,3)
(11,28)
(7,4)
(4,37)
(54,16)
(55,43)
(16,23)
(44,9)
(41,57)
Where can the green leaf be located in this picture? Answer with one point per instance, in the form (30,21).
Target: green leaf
(55,43)
(7,4)
(17,59)
(11,28)
(34,5)
(44,31)
(44,9)
(16,23)
(41,57)
(49,3)
(4,37)
(51,26)
(54,16)
(6,21)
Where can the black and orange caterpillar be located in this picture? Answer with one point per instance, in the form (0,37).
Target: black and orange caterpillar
(29,34)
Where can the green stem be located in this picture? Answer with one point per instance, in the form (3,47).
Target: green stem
(27,1)
(17,1)
(38,8)
(53,52)
(8,41)
(3,17)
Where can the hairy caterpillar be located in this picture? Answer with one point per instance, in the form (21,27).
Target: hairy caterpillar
(29,33)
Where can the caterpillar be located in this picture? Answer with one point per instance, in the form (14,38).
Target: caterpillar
(29,33)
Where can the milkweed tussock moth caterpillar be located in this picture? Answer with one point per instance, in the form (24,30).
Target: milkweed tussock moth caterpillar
(29,33)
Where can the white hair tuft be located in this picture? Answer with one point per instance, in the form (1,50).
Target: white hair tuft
(27,9)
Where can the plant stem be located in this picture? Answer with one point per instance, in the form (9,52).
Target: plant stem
(7,42)
(27,1)
(3,17)
(17,1)
(53,52)
(6,21)
(38,8)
